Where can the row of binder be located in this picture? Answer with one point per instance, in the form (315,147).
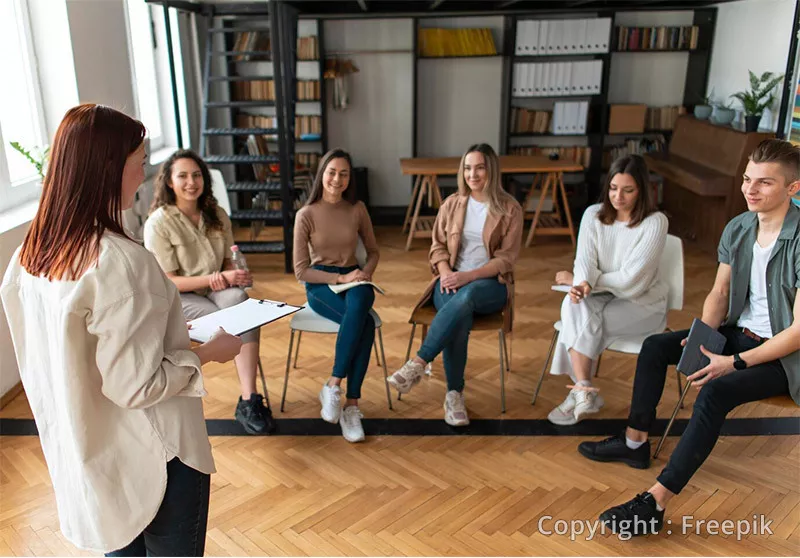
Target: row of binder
(557,79)
(548,37)
(570,117)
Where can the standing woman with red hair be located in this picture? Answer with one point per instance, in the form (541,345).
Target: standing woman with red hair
(104,353)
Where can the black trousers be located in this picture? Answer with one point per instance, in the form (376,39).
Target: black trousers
(716,399)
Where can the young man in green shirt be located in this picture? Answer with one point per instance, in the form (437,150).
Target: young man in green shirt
(754,304)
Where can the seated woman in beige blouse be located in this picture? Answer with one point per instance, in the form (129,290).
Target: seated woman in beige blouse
(191,237)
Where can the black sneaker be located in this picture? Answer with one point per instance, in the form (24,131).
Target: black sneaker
(253,416)
(635,517)
(614,449)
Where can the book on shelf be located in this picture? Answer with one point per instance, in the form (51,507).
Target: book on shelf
(303,124)
(254,90)
(530,121)
(307,48)
(553,37)
(252,41)
(437,42)
(570,117)
(342,287)
(580,154)
(557,79)
(685,37)
(308,90)
(663,118)
(257,145)
(638,146)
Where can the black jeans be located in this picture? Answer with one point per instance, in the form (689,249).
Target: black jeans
(716,399)
(179,527)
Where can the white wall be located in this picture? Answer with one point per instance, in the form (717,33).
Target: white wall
(9,372)
(750,35)
(377,126)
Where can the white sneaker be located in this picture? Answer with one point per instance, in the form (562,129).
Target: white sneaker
(564,414)
(350,422)
(330,397)
(455,412)
(587,403)
(407,377)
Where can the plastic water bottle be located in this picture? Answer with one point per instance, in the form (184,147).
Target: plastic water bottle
(238,259)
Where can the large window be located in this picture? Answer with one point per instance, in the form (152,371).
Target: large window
(21,117)
(150,60)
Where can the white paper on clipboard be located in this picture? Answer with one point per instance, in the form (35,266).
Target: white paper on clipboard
(239,319)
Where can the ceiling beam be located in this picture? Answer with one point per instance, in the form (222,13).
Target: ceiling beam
(435,4)
(362,4)
(507,3)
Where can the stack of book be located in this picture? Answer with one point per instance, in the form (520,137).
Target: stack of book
(456,42)
(304,125)
(252,41)
(557,79)
(580,154)
(658,38)
(306,161)
(562,36)
(633,147)
(308,90)
(530,121)
(307,48)
(663,118)
(255,90)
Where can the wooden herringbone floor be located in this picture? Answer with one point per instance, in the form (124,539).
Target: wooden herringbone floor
(440,495)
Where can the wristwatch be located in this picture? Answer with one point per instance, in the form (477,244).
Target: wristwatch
(738,363)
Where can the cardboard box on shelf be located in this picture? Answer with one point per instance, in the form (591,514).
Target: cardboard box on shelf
(627,119)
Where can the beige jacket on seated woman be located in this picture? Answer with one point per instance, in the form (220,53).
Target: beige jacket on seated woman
(502,236)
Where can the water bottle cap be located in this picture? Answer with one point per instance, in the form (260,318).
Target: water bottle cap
(234,248)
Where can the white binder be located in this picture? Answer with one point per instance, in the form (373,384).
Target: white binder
(580,35)
(543,31)
(583,116)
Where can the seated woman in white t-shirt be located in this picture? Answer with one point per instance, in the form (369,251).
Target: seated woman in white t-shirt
(475,244)
(615,288)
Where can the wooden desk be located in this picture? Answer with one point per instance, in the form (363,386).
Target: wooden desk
(549,174)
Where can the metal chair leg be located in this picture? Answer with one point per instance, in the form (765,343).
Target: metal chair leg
(377,358)
(385,371)
(544,368)
(680,389)
(597,370)
(501,338)
(263,383)
(408,352)
(288,364)
(297,350)
(672,419)
(505,351)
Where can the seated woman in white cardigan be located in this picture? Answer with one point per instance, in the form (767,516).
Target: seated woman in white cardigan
(615,288)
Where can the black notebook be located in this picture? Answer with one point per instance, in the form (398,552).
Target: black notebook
(692,359)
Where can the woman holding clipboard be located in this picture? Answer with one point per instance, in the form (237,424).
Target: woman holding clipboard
(104,353)
(326,234)
(191,237)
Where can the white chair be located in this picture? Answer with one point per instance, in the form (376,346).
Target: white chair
(670,272)
(306,320)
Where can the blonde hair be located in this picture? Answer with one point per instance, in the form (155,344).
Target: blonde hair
(494,188)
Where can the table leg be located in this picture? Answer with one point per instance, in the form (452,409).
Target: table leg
(437,193)
(406,221)
(542,197)
(536,181)
(424,185)
(566,207)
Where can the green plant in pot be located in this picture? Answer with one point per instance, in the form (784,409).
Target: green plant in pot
(37,157)
(760,96)
(703,111)
(724,113)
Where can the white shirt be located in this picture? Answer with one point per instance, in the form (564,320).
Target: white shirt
(114,388)
(472,253)
(622,260)
(755,315)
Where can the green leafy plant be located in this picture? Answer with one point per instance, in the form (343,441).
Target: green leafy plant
(761,93)
(709,99)
(724,105)
(38,158)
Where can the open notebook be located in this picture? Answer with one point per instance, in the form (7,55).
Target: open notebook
(237,320)
(345,286)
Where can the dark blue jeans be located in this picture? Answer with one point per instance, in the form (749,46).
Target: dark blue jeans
(350,310)
(449,331)
(716,399)
(179,527)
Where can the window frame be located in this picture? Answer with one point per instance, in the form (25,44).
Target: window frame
(15,194)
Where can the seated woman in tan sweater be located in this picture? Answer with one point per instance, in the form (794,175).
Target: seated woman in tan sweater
(191,237)
(326,233)
(476,241)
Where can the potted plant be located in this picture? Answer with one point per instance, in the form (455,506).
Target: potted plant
(723,113)
(702,112)
(760,96)
(38,158)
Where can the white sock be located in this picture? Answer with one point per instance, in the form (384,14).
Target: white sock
(658,508)
(633,445)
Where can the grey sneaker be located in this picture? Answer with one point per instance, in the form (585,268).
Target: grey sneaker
(407,377)
(587,403)
(455,412)
(330,397)
(564,414)
(350,421)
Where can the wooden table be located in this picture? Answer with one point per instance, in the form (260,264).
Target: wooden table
(549,174)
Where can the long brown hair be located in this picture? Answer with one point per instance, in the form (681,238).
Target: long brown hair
(316,189)
(635,166)
(165,195)
(82,191)
(494,189)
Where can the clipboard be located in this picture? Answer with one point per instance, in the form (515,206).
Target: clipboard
(240,319)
